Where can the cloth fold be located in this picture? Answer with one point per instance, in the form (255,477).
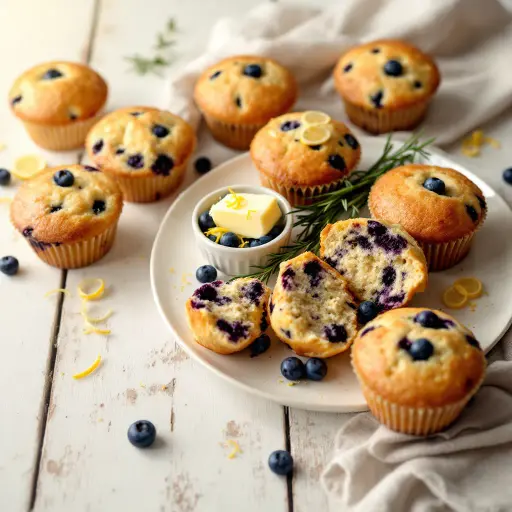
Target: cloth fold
(470,40)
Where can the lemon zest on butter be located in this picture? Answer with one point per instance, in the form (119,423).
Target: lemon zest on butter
(89,370)
(236,202)
(94,295)
(57,290)
(248,216)
(235,448)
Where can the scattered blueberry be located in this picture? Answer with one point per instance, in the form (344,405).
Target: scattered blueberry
(229,239)
(52,74)
(260,241)
(135,161)
(206,274)
(162,165)
(316,369)
(376,99)
(5,177)
(393,68)
(337,162)
(292,368)
(289,125)
(253,70)
(215,75)
(417,84)
(507,175)
(203,165)
(435,185)
(351,141)
(16,100)
(473,342)
(98,146)
(347,68)
(421,349)
(335,333)
(205,221)
(142,434)
(98,206)
(64,178)
(472,212)
(260,345)
(281,462)
(160,131)
(367,311)
(9,265)
(275,231)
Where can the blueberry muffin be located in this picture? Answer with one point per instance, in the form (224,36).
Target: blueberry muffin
(68,214)
(380,262)
(228,317)
(311,308)
(439,207)
(418,368)
(238,95)
(386,85)
(297,169)
(58,102)
(144,149)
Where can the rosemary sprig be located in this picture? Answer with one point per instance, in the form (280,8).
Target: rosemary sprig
(350,198)
(164,42)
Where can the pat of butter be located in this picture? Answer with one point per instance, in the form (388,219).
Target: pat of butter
(247,215)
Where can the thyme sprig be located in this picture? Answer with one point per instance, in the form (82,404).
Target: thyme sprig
(349,199)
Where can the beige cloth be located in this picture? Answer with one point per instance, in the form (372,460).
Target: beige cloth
(470,39)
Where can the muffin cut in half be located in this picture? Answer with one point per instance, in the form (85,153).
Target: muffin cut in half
(311,308)
(380,261)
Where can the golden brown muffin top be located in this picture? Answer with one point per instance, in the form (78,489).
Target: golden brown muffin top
(58,93)
(277,151)
(140,141)
(245,89)
(66,204)
(441,369)
(400,196)
(386,74)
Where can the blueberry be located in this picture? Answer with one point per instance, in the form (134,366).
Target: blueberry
(215,75)
(162,165)
(5,177)
(213,238)
(314,271)
(229,239)
(281,462)
(73,116)
(429,320)
(160,131)
(393,68)
(351,141)
(404,344)
(435,185)
(135,161)
(367,311)
(203,165)
(52,74)
(234,331)
(205,221)
(206,274)
(472,212)
(9,265)
(275,231)
(507,175)
(347,68)
(260,241)
(289,125)
(337,162)
(287,278)
(421,349)
(16,100)
(260,345)
(142,434)
(335,333)
(98,206)
(388,276)
(253,70)
(316,369)
(97,146)
(292,368)
(64,178)
(376,99)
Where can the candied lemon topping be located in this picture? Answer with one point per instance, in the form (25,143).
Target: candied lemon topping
(455,298)
(472,145)
(89,370)
(28,166)
(471,285)
(93,295)
(57,290)
(313,117)
(314,135)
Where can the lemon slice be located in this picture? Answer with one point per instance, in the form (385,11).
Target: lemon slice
(89,370)
(314,117)
(94,295)
(455,298)
(27,166)
(470,285)
(314,135)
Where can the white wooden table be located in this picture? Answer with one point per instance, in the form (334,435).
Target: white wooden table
(63,444)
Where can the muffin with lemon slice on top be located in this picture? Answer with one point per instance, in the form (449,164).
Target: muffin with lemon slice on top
(303,155)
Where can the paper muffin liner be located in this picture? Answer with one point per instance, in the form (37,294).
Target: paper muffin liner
(76,255)
(384,121)
(62,137)
(235,136)
(147,189)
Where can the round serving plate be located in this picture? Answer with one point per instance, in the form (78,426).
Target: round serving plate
(175,258)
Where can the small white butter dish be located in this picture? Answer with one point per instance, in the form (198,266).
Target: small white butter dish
(233,260)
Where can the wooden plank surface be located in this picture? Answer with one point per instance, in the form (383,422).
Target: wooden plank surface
(54,29)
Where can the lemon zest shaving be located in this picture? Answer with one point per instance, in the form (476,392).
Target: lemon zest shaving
(94,320)
(471,145)
(96,294)
(89,370)
(455,298)
(164,387)
(142,385)
(248,216)
(91,329)
(236,202)
(235,448)
(171,270)
(57,290)
(217,231)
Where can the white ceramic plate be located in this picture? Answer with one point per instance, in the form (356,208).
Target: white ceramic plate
(490,260)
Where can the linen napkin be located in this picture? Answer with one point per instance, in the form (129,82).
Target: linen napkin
(470,40)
